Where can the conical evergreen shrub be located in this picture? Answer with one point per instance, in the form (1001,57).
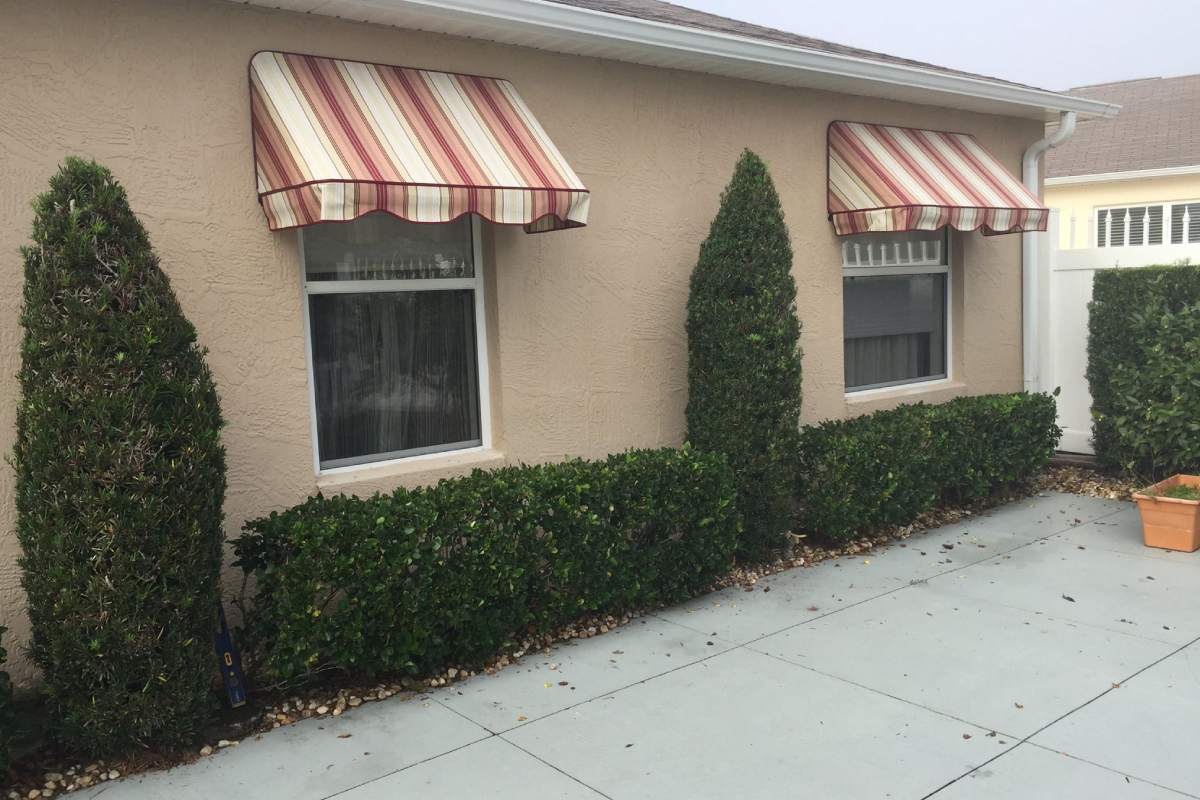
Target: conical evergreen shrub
(743,352)
(120,476)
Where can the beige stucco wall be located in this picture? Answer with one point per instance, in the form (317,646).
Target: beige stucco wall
(1079,201)
(587,345)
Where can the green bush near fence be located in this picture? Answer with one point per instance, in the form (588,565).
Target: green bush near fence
(1144,369)
(891,466)
(120,477)
(425,578)
(743,352)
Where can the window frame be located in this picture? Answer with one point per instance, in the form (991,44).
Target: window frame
(476,284)
(947,269)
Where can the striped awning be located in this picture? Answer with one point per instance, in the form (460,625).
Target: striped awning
(887,178)
(335,139)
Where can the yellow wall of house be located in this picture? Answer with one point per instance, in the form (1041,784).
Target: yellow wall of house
(586,327)
(1079,201)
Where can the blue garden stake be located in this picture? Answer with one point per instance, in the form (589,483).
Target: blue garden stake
(231,663)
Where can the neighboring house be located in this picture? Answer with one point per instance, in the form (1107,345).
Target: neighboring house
(1135,179)
(366,352)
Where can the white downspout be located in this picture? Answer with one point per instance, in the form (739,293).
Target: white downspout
(1029,251)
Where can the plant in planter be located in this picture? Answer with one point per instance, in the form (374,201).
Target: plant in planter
(1171,513)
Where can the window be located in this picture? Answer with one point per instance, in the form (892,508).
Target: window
(895,288)
(1185,223)
(395,338)
(1127,226)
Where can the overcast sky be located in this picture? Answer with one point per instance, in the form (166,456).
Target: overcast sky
(1054,44)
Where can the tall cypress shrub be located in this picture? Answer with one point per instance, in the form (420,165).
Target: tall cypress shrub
(743,352)
(120,476)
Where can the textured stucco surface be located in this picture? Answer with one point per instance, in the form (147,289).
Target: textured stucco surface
(587,348)
(1079,202)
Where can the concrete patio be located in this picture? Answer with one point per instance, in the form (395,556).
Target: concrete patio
(1038,651)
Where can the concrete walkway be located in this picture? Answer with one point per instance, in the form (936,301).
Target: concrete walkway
(1039,651)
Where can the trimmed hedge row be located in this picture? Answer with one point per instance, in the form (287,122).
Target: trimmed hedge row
(1144,369)
(432,576)
(891,466)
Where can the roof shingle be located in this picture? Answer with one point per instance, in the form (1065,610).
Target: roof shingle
(669,13)
(1158,127)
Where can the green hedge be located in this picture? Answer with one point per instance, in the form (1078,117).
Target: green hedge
(891,466)
(120,477)
(6,712)
(1144,369)
(428,577)
(743,352)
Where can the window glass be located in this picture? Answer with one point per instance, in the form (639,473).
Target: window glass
(394,347)
(895,249)
(895,329)
(383,247)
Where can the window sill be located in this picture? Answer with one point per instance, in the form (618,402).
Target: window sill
(917,391)
(411,471)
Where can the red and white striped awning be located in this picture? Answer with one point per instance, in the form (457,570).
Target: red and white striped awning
(336,139)
(887,178)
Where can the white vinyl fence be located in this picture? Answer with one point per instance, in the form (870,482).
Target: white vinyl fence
(1066,289)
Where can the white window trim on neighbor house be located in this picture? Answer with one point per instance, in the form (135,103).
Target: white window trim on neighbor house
(1190,223)
(860,258)
(475,283)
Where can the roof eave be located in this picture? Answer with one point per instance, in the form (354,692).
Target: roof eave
(581,31)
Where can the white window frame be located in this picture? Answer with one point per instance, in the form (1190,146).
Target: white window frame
(923,267)
(476,283)
(1167,222)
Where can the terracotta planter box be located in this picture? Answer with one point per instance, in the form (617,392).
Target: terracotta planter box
(1167,522)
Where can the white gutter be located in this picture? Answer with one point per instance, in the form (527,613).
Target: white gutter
(1030,341)
(531,22)
(1128,175)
